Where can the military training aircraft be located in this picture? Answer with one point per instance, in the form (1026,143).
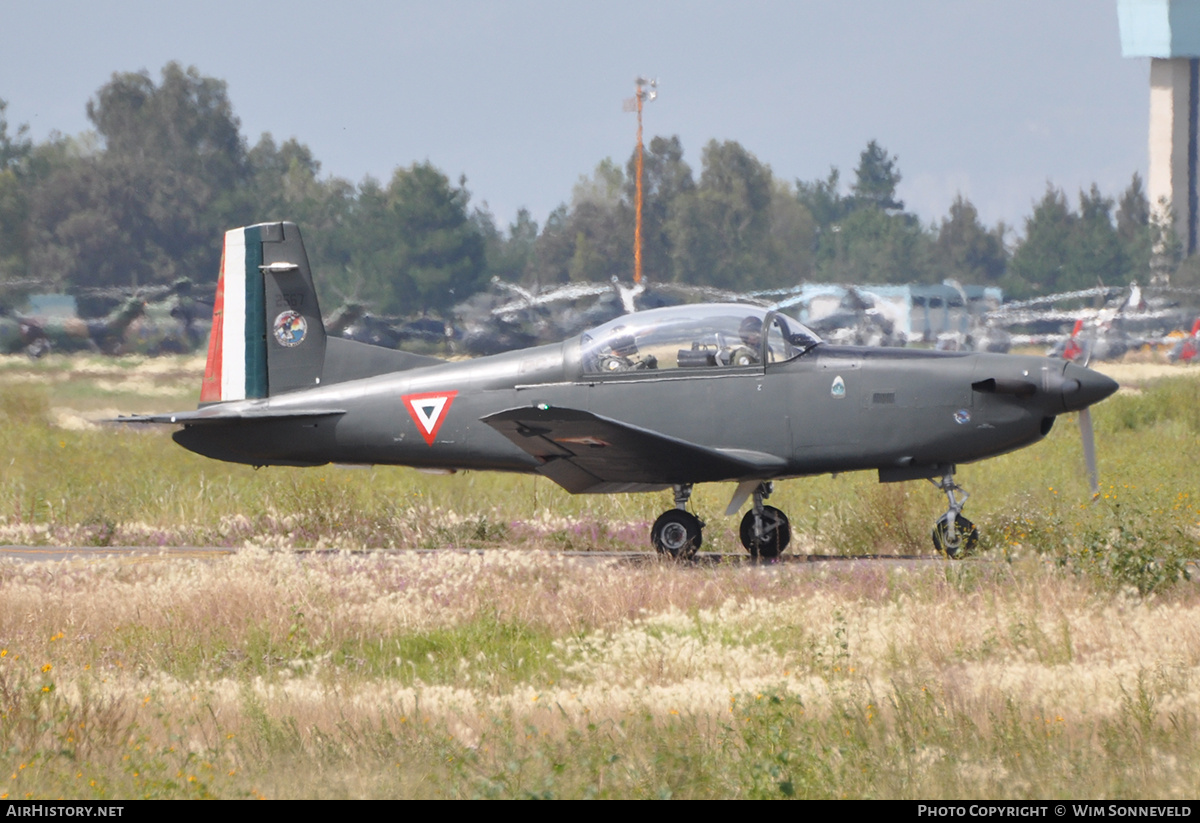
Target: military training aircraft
(659,399)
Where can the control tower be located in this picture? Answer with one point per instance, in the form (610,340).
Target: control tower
(1168,32)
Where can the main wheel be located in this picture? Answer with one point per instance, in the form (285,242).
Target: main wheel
(965,536)
(776,533)
(676,533)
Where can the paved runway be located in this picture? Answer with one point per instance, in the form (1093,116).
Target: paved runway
(146,553)
(45,553)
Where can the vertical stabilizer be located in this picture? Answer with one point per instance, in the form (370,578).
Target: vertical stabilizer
(267,334)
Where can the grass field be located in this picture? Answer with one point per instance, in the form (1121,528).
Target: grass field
(1064,662)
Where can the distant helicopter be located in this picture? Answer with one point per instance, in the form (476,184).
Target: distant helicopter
(41,334)
(172,322)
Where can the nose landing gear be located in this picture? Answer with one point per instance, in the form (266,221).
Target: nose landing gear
(954,535)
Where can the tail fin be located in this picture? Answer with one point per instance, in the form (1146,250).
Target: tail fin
(267,333)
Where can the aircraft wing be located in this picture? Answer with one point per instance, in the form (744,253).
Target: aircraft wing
(224,414)
(585,452)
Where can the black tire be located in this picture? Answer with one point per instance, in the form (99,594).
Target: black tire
(677,534)
(966,536)
(777,533)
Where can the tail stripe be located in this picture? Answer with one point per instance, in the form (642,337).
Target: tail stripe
(243,332)
(211,388)
(255,315)
(233,331)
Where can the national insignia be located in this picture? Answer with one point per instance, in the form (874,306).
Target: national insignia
(290,328)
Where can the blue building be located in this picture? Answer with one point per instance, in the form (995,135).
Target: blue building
(1168,32)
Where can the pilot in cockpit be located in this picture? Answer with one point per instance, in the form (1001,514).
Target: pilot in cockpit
(622,353)
(750,352)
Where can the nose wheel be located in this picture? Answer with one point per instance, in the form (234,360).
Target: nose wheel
(954,535)
(955,542)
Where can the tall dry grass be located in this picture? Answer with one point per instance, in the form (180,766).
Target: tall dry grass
(526,673)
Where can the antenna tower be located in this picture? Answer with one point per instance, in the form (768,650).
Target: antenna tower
(646,90)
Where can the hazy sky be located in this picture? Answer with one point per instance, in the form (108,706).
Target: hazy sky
(990,99)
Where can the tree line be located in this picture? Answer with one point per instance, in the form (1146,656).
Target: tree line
(141,199)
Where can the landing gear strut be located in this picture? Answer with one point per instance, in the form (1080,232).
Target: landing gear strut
(765,531)
(953,535)
(678,533)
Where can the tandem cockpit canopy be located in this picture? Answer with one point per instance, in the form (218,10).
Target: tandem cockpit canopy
(688,337)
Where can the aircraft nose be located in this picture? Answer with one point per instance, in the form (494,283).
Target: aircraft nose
(1081,387)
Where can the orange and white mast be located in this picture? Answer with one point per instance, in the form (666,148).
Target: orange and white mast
(646,90)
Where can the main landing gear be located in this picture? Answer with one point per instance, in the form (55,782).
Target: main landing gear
(678,533)
(765,530)
(953,535)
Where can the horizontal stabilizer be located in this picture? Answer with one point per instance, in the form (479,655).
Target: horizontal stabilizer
(585,452)
(225,413)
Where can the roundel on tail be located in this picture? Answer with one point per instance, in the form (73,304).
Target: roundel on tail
(290,328)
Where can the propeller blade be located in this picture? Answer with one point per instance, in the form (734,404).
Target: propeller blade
(1089,449)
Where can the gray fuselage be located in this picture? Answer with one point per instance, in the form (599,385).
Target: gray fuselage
(831,409)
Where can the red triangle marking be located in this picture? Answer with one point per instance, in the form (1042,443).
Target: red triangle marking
(428,411)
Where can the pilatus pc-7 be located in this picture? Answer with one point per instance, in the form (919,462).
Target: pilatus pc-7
(660,399)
